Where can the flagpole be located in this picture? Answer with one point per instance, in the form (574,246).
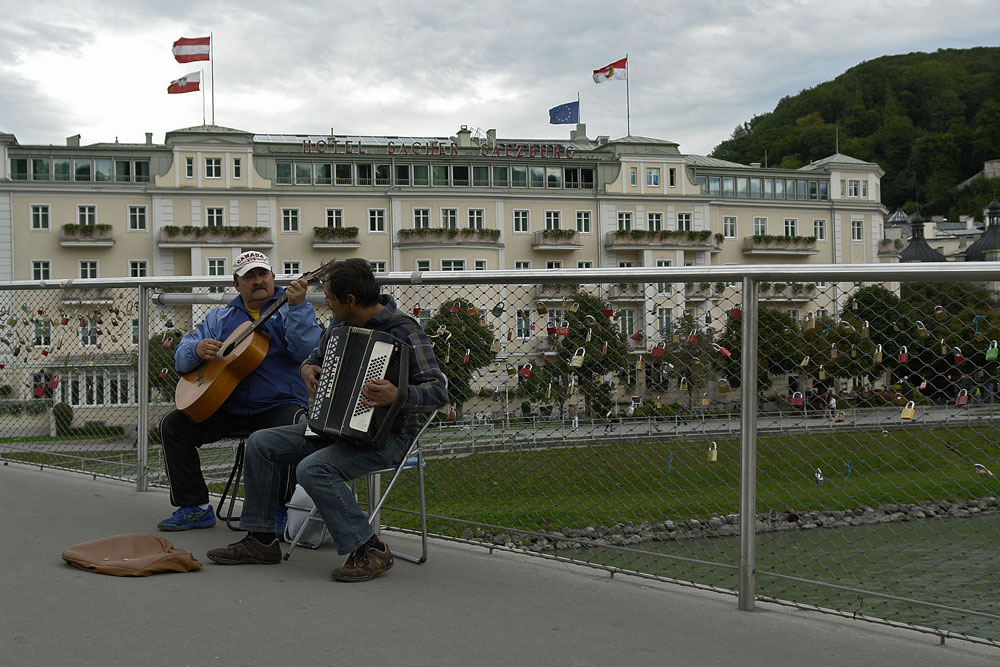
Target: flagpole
(201,75)
(579,116)
(211,56)
(628,112)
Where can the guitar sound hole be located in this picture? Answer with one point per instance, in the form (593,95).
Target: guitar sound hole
(228,350)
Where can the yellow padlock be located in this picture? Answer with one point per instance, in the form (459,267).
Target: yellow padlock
(805,362)
(833,350)
(865,330)
(704,399)
(908,411)
(659,403)
(683,386)
(878,354)
(597,379)
(578,357)
(495,346)
(944,347)
(541,308)
(713,452)
(822,373)
(573,307)
(639,363)
(921,329)
(723,386)
(940,314)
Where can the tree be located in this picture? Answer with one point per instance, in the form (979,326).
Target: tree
(463,345)
(162,376)
(779,348)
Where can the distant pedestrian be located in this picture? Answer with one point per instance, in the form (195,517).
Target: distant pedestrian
(831,406)
(575,414)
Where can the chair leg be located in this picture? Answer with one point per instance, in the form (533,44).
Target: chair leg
(423,516)
(233,485)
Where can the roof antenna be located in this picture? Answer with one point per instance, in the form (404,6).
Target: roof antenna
(836,145)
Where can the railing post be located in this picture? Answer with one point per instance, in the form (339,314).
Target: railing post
(748,449)
(142,419)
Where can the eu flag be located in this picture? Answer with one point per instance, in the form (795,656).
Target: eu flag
(565,114)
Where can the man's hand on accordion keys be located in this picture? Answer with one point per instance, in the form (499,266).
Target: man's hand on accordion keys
(310,375)
(378,393)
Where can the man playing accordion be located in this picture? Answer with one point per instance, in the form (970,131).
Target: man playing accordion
(326,465)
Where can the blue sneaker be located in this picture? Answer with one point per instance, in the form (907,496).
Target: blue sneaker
(280,520)
(186,518)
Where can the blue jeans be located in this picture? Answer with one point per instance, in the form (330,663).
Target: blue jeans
(324,469)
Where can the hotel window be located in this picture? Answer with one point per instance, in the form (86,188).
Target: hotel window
(61,169)
(376,220)
(571,178)
(138,268)
(102,170)
(523,324)
(481,176)
(684,222)
(238,168)
(324,173)
(583,264)
(476,217)
(137,218)
(853,188)
(801,191)
(189,169)
(673,177)
(460,175)
(213,167)
(663,288)
(86,215)
(88,268)
(501,178)
(755,188)
(653,176)
(41,269)
(857,231)
(587,179)
(40,217)
(553,177)
(216,267)
(813,189)
(664,320)
(335,218)
(522,221)
(820,284)
(864,189)
(480,265)
(40,169)
(624,221)
(819,229)
(135,330)
(728,186)
(421,218)
(742,187)
(793,313)
(519,177)
(626,324)
(142,171)
(378,266)
(760,226)
(364,174)
(88,333)
(522,265)
(81,170)
(824,190)
(552,220)
(553,264)
(282,172)
(290,220)
(453,265)
(633,176)
(583,222)
(402,174)
(439,175)
(449,218)
(729,226)
(343,174)
(654,221)
(423,265)
(303,173)
(626,264)
(43,332)
(768,188)
(421,174)
(537,177)
(214,216)
(791,227)
(715,185)
(382,174)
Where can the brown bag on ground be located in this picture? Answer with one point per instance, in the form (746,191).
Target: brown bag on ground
(132,555)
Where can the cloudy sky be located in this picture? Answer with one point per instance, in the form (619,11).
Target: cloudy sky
(697,69)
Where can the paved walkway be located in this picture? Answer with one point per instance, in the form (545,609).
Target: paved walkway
(465,606)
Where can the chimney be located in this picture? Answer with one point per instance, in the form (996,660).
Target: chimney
(602,139)
(73,141)
(755,165)
(149,138)
(464,137)
(491,135)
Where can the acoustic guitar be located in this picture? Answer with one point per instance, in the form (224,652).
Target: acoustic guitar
(200,392)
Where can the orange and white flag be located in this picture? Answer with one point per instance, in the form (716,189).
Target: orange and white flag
(616,70)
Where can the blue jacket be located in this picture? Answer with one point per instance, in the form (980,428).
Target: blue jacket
(294,333)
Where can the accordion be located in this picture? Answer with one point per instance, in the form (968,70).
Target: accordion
(353,357)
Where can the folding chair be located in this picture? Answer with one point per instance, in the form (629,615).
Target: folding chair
(235,478)
(413,460)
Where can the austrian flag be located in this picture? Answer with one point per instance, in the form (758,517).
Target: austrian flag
(616,70)
(188,83)
(189,49)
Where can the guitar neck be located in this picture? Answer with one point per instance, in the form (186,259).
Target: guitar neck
(273,308)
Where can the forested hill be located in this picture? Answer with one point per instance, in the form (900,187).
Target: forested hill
(929,119)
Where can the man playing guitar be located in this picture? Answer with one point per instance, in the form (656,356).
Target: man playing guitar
(270,395)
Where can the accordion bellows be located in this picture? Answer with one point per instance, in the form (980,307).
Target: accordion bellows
(353,357)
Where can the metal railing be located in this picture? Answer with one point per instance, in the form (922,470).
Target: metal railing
(608,421)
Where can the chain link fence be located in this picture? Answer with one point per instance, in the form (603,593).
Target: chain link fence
(605,422)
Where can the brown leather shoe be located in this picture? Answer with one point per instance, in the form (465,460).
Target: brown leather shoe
(247,551)
(365,563)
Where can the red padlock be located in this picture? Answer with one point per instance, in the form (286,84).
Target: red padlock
(959,359)
(545,360)
(116,310)
(41,311)
(721,351)
(163,372)
(54,382)
(904,355)
(39,390)
(604,349)
(692,337)
(563,329)
(550,328)
(456,308)
(636,336)
(736,313)
(608,310)
(64,320)
(510,335)
(2,366)
(525,371)
(657,351)
(797,401)
(416,310)
(467,351)
(83,323)
(45,353)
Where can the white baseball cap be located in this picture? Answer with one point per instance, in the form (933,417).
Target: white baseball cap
(251,259)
